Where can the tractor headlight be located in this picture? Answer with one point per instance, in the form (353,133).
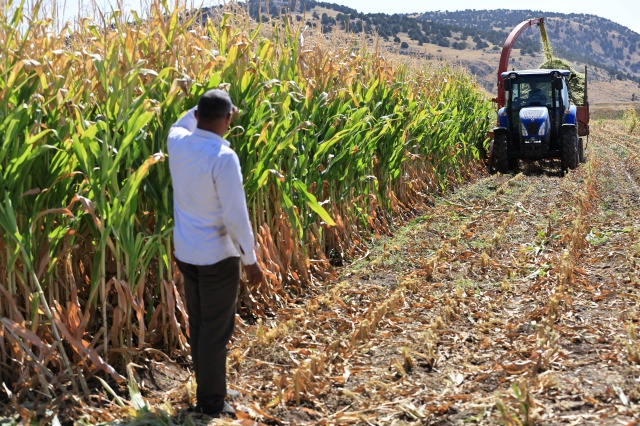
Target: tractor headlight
(543,129)
(523,130)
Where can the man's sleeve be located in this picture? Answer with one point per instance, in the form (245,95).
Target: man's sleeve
(228,181)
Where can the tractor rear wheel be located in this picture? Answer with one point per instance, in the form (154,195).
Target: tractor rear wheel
(581,156)
(570,149)
(501,153)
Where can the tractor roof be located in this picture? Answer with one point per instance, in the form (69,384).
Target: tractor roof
(525,73)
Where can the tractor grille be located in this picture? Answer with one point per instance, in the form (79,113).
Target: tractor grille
(532,128)
(531,113)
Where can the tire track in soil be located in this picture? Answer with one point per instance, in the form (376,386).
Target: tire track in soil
(440,322)
(273,352)
(469,359)
(605,381)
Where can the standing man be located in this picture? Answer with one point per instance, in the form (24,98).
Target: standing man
(212,234)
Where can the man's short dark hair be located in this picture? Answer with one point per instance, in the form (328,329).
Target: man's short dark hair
(214,105)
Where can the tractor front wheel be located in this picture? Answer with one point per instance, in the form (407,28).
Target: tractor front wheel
(500,153)
(570,154)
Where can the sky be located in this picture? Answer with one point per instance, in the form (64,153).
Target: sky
(624,12)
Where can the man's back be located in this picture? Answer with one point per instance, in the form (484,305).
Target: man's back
(207,185)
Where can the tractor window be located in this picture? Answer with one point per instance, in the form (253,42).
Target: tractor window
(513,99)
(537,94)
(531,91)
(565,96)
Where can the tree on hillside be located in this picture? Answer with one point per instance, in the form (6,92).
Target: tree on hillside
(481,45)
(459,45)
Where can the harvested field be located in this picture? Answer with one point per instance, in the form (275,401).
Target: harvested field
(513,300)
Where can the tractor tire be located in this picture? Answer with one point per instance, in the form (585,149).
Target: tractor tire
(513,163)
(500,154)
(581,156)
(570,154)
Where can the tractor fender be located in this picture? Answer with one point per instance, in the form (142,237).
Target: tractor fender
(567,127)
(502,118)
(499,130)
(570,117)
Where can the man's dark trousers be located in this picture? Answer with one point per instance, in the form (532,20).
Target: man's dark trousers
(212,292)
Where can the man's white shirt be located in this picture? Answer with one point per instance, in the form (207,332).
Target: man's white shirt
(209,204)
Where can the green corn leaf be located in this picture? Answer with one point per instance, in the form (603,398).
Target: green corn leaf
(312,202)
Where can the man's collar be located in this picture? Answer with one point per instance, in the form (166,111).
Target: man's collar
(210,135)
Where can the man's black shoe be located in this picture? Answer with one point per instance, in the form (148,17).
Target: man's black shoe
(227,410)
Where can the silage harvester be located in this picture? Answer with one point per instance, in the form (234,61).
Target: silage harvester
(536,118)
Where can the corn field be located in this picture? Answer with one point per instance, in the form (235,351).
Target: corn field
(336,144)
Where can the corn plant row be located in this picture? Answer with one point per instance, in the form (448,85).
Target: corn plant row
(575,236)
(630,145)
(305,375)
(430,265)
(334,141)
(503,187)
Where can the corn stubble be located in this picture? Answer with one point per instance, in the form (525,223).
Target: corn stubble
(488,335)
(335,141)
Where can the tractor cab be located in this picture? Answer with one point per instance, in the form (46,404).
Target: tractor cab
(536,104)
(537,121)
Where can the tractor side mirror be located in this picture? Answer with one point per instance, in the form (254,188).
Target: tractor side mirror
(558,83)
(507,84)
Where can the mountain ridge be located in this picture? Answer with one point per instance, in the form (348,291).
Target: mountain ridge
(474,38)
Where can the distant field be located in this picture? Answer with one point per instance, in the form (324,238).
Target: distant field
(483,64)
(611,111)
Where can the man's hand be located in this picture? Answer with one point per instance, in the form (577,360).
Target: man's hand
(254,273)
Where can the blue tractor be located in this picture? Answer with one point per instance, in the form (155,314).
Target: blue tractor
(537,120)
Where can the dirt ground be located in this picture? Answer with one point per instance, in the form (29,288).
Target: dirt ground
(513,300)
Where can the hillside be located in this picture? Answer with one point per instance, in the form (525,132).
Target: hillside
(474,38)
(609,50)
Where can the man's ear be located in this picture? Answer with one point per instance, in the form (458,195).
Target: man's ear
(195,114)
